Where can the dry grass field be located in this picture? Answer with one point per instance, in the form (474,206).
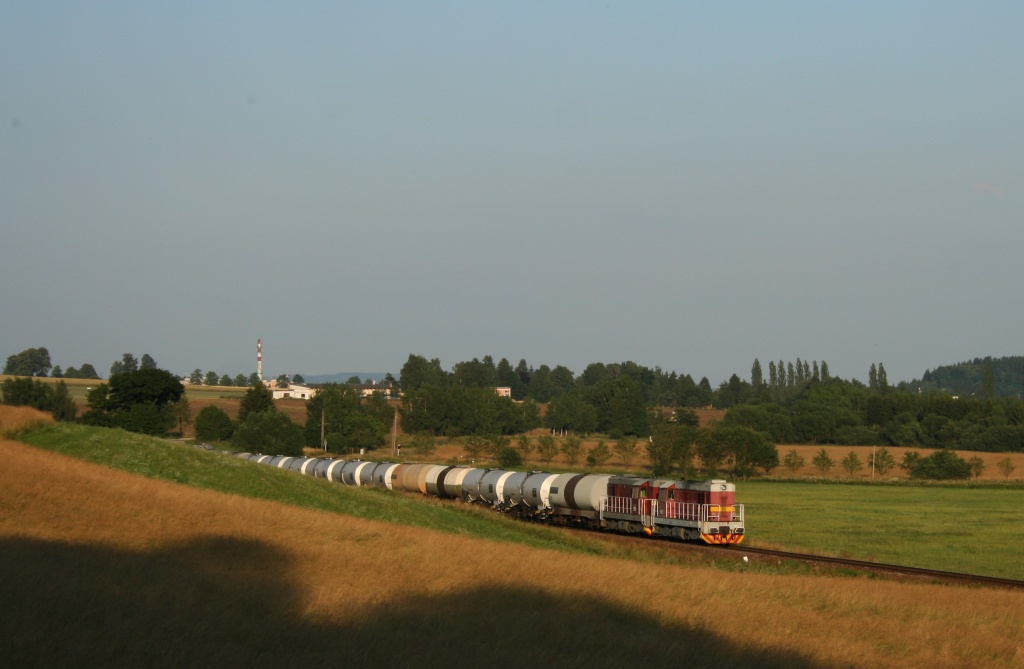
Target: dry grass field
(13,419)
(103,568)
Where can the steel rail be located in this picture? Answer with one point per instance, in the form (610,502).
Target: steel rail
(951,576)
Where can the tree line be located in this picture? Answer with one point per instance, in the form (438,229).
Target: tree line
(836,411)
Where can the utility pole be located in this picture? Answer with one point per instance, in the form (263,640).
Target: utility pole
(323,441)
(394,434)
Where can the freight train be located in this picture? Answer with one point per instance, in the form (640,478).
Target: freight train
(687,510)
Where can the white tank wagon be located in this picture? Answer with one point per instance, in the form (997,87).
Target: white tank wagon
(679,509)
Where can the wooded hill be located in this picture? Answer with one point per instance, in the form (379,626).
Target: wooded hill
(981,377)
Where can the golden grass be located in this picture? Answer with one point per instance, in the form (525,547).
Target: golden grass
(127,571)
(14,419)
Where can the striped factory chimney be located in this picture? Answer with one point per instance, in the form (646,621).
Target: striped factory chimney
(259,359)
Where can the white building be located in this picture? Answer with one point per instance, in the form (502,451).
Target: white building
(294,391)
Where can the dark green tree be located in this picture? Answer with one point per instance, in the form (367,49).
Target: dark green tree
(711,451)
(147,362)
(51,397)
(571,412)
(139,401)
(910,460)
(670,449)
(510,458)
(756,376)
(418,371)
(257,399)
(989,382)
(620,406)
(182,412)
(86,371)
(30,362)
(268,431)
(941,465)
(126,365)
(746,449)
(213,424)
(154,386)
(348,424)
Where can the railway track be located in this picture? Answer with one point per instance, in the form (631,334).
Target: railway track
(878,567)
(741,551)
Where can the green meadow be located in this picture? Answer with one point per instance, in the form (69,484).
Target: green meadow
(978,530)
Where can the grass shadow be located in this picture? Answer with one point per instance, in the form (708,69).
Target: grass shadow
(229,602)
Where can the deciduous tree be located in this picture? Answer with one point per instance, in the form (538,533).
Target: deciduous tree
(572,448)
(547,448)
(627,450)
(882,461)
(268,432)
(213,424)
(851,463)
(257,398)
(823,462)
(599,454)
(30,362)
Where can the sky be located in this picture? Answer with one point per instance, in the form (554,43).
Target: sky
(687,185)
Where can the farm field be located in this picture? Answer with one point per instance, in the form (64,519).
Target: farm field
(126,570)
(972,530)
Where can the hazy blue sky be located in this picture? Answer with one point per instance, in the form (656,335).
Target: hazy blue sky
(688,185)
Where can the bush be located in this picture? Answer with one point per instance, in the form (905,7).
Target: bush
(510,458)
(268,432)
(53,398)
(599,454)
(941,466)
(213,424)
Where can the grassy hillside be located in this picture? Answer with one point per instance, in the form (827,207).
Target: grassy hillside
(178,463)
(900,524)
(106,568)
